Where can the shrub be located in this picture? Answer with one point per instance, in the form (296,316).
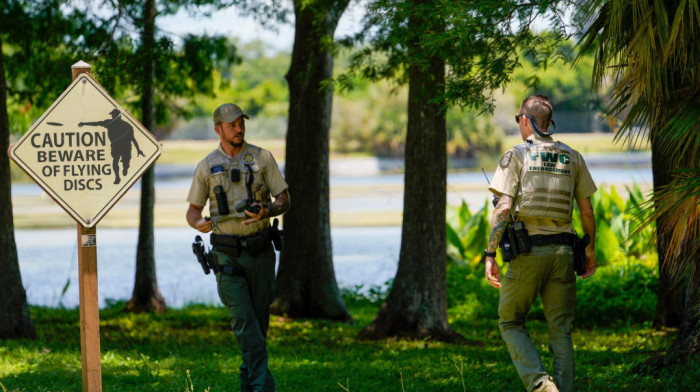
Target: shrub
(621,293)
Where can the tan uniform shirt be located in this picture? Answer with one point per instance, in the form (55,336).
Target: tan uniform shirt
(268,180)
(507,181)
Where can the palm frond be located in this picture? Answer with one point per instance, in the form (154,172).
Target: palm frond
(679,204)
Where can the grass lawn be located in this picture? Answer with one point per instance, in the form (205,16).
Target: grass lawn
(193,349)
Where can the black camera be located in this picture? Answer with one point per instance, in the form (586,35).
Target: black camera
(247,204)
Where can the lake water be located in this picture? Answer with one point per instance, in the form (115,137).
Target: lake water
(364,256)
(48,260)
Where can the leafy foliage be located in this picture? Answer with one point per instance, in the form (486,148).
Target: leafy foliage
(649,49)
(467,233)
(623,289)
(41,40)
(185,69)
(621,229)
(566,84)
(621,293)
(480,42)
(188,67)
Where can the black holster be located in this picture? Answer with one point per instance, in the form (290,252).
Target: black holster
(203,257)
(514,241)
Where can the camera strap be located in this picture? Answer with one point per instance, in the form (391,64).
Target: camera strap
(249,182)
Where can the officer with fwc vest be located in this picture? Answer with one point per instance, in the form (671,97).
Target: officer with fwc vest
(536,183)
(237,179)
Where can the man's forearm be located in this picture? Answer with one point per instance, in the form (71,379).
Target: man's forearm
(280,205)
(194,215)
(499,221)
(587,219)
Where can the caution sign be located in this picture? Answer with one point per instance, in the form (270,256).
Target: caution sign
(86,151)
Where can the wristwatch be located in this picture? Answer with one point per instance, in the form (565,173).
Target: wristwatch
(489,254)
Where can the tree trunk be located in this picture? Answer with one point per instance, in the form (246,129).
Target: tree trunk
(671,297)
(416,306)
(686,346)
(15,321)
(146,296)
(306,284)
(680,294)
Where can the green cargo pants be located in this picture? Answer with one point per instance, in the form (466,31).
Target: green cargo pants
(247,298)
(547,271)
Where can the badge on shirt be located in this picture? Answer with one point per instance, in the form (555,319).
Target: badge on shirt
(248,158)
(505,160)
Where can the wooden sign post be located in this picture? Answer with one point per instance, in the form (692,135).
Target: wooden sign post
(89,303)
(80,153)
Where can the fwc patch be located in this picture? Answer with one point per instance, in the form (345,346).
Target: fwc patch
(505,160)
(248,158)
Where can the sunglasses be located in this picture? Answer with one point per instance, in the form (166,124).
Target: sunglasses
(517,120)
(517,117)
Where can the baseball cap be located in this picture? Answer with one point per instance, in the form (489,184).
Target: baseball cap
(228,112)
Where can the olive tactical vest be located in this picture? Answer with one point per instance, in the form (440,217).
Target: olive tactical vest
(220,168)
(547,181)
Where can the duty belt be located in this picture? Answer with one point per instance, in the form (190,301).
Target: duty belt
(552,239)
(233,244)
(234,241)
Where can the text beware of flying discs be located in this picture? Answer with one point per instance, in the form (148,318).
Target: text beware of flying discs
(86,151)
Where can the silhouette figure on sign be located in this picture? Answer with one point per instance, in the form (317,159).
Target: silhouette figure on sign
(121,135)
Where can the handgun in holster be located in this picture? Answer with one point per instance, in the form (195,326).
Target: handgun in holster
(203,257)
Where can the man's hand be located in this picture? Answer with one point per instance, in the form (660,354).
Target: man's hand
(203,225)
(196,220)
(264,213)
(492,272)
(590,262)
(80,125)
(139,153)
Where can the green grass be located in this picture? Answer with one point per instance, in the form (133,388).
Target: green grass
(193,349)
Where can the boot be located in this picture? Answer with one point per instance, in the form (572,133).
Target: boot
(547,385)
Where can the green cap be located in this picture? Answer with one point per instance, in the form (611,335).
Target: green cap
(228,112)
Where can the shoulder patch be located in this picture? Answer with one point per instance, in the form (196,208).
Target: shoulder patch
(505,160)
(248,158)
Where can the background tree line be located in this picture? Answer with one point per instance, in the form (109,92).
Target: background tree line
(371,117)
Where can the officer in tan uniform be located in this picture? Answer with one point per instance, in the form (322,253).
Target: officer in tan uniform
(537,182)
(237,179)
